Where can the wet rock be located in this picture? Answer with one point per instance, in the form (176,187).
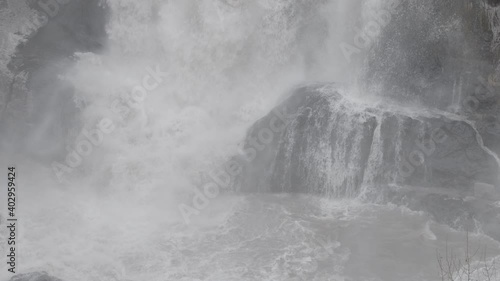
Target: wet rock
(75,26)
(493,3)
(34,276)
(433,51)
(338,148)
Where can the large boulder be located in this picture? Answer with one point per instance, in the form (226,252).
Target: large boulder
(335,147)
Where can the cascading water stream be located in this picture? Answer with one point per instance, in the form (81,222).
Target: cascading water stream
(365,182)
(479,139)
(337,148)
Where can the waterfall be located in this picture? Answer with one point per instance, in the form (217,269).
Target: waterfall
(248,140)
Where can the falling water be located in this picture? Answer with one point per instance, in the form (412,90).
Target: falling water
(117,113)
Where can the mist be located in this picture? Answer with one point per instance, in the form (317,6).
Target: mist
(249,140)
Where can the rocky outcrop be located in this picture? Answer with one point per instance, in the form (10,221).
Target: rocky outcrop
(35,90)
(433,51)
(442,54)
(493,3)
(428,46)
(335,147)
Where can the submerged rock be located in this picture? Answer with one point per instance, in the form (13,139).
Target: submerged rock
(34,276)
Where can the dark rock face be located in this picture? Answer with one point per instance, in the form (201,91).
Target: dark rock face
(77,26)
(338,148)
(493,3)
(442,54)
(34,276)
(431,50)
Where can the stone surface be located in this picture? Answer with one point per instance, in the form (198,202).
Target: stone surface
(34,276)
(339,148)
(432,52)
(77,26)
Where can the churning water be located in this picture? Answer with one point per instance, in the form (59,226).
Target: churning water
(178,84)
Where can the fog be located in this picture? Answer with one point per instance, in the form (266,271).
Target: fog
(145,140)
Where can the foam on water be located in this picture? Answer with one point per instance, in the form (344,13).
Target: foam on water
(263,237)
(223,65)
